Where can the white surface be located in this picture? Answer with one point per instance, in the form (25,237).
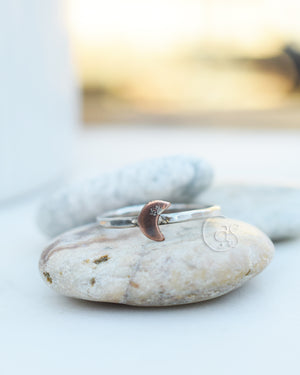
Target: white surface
(254,330)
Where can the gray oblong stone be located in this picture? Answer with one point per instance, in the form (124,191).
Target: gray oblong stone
(198,260)
(273,209)
(175,178)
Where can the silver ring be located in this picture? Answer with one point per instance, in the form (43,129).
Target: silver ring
(149,216)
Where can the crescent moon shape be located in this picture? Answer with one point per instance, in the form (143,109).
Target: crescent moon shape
(148,219)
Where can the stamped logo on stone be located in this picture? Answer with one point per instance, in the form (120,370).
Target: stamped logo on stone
(219,234)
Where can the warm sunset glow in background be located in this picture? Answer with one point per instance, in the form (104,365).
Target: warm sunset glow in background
(152,56)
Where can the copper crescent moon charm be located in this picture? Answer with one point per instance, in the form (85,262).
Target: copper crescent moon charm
(148,219)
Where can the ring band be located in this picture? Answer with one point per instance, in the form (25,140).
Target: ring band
(148,217)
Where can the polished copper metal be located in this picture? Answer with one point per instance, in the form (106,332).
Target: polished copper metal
(148,219)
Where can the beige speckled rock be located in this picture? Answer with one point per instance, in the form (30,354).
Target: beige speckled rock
(198,260)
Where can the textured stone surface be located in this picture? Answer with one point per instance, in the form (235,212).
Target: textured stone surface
(198,260)
(175,178)
(273,209)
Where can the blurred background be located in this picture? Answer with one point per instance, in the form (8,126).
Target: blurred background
(90,80)
(193,61)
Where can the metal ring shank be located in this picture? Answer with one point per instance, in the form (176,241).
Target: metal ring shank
(127,217)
